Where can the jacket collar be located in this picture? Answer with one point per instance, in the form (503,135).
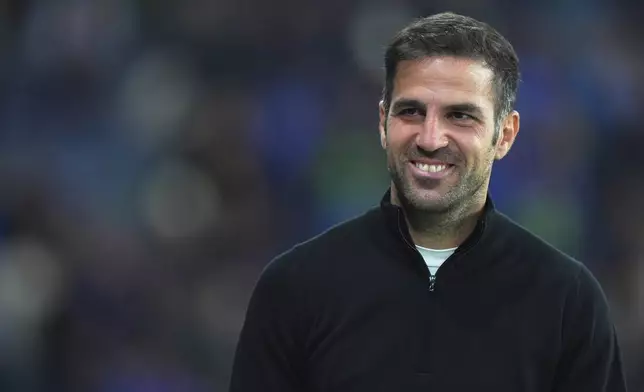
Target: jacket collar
(395,220)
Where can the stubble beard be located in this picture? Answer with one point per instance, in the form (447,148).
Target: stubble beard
(442,211)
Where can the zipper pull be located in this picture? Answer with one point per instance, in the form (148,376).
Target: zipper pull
(432,281)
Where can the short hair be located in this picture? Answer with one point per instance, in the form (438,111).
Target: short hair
(450,34)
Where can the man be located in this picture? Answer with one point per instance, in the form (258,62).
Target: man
(434,290)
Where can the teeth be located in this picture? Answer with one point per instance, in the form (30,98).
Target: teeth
(431,168)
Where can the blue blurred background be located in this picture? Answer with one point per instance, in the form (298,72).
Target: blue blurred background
(156,154)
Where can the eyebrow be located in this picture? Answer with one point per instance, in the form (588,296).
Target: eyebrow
(465,107)
(405,103)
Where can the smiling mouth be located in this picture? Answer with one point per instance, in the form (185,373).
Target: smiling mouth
(433,168)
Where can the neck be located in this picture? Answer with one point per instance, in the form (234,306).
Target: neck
(437,231)
(444,229)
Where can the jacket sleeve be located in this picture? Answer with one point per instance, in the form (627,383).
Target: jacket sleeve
(270,352)
(591,359)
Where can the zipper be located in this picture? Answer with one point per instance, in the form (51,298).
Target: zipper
(462,251)
(432,277)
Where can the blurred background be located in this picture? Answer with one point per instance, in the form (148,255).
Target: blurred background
(156,154)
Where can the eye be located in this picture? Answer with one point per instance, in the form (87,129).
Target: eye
(461,118)
(410,112)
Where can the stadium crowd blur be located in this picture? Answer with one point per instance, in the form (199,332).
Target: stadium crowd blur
(156,154)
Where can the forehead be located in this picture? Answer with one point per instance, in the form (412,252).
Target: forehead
(444,79)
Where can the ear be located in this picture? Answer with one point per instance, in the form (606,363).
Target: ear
(509,131)
(383,125)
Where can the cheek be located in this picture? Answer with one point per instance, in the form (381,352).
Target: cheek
(486,157)
(400,136)
(393,141)
(476,155)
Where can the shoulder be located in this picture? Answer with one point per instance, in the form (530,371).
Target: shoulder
(531,249)
(336,243)
(550,266)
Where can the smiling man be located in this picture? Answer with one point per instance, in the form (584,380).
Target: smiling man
(434,289)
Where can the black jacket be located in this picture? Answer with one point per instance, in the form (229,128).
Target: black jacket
(352,310)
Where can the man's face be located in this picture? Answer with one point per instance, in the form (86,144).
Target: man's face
(439,131)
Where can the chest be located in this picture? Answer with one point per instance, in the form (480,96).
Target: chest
(398,335)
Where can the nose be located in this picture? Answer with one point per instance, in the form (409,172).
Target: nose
(432,136)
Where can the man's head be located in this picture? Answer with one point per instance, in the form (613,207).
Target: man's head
(447,110)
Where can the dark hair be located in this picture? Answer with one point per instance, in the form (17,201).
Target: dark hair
(449,34)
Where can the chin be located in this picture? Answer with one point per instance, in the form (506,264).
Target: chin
(426,200)
(434,197)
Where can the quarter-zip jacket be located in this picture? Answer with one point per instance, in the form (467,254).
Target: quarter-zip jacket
(355,309)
